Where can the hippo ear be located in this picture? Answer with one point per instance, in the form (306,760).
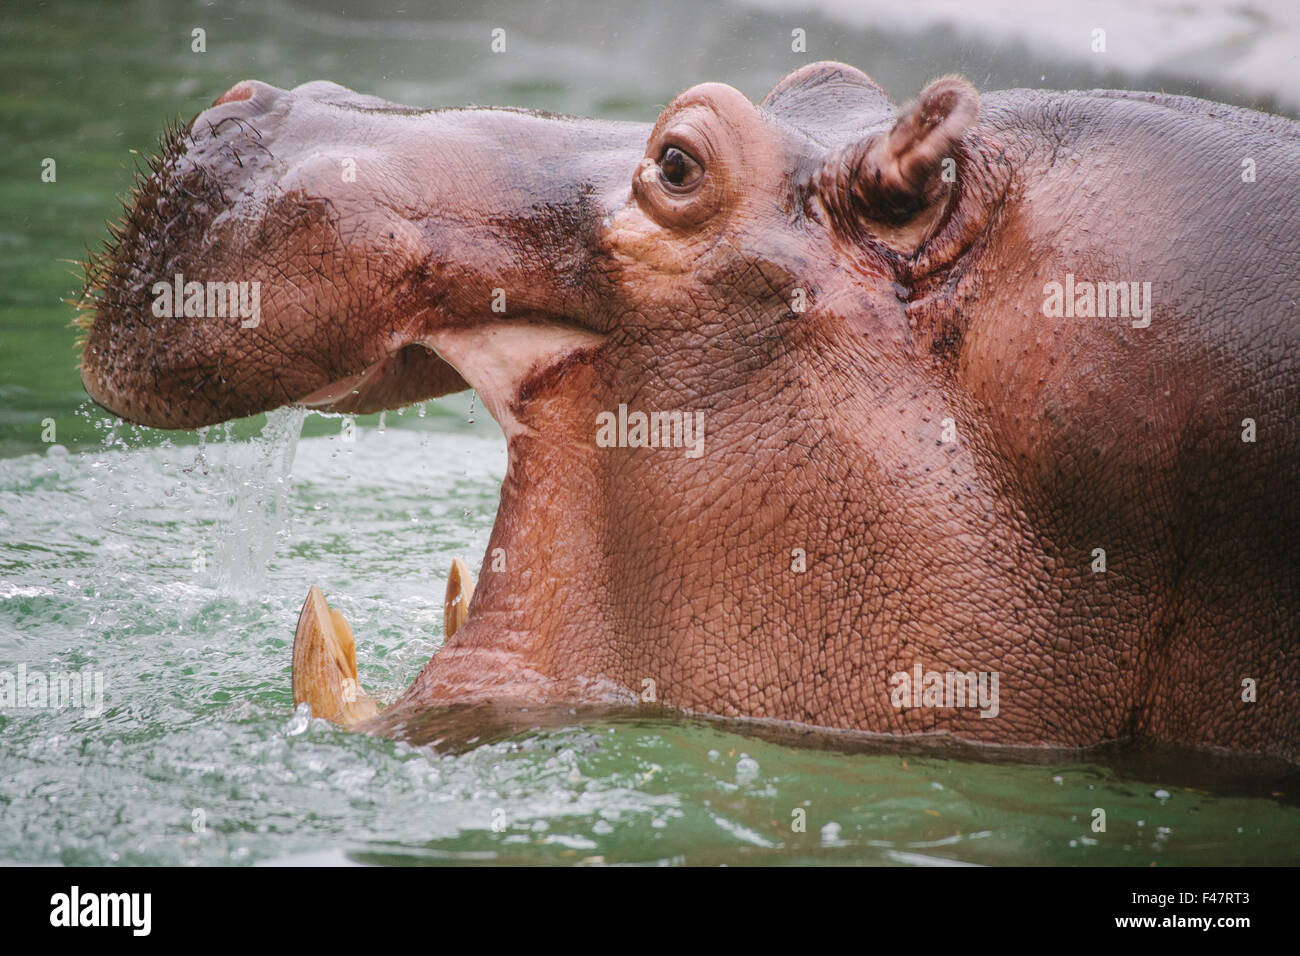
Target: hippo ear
(891,177)
(828,102)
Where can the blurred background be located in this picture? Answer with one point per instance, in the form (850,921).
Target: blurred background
(90,84)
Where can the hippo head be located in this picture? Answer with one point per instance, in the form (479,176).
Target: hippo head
(320,247)
(695,336)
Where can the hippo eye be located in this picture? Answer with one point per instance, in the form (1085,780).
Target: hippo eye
(678,168)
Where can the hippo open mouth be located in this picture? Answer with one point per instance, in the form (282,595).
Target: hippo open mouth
(786,415)
(334,250)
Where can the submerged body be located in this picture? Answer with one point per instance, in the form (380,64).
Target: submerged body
(1002,389)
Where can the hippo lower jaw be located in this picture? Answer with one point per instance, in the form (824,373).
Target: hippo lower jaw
(491,655)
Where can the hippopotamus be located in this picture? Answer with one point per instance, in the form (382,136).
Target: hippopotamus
(976,417)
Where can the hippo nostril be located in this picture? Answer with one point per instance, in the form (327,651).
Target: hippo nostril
(240,91)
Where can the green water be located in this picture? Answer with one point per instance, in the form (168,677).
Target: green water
(175,570)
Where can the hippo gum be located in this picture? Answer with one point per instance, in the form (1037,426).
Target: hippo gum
(997,395)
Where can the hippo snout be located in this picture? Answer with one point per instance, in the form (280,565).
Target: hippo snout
(313,245)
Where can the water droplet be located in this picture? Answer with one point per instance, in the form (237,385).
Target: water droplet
(746,769)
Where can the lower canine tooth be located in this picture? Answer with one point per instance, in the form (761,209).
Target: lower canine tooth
(460,589)
(325,665)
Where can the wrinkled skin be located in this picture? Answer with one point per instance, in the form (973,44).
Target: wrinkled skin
(666,281)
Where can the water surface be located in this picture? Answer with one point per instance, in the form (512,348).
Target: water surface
(177,572)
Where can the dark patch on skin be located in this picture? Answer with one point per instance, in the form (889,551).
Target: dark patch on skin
(544,381)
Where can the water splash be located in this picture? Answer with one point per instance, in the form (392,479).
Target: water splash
(300,720)
(253,480)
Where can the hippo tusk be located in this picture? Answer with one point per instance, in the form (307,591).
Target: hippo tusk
(325,653)
(325,665)
(460,590)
